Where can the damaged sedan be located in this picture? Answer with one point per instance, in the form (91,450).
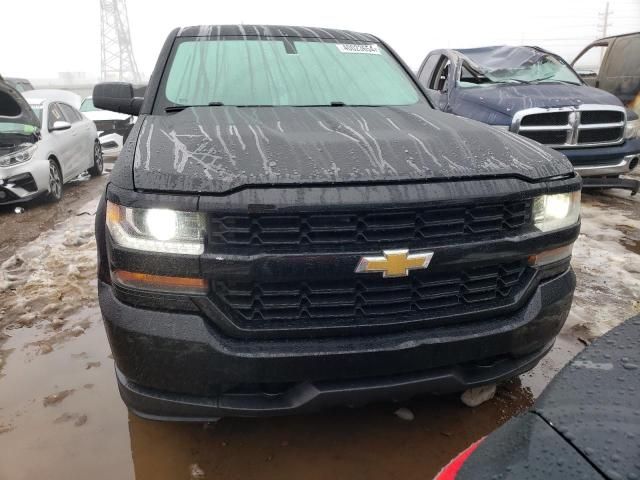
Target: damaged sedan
(292,225)
(44,143)
(536,94)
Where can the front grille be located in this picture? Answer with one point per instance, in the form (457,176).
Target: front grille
(600,135)
(601,116)
(410,227)
(547,137)
(571,127)
(550,118)
(369,299)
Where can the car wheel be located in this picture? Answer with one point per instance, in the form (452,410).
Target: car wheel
(55,181)
(98,161)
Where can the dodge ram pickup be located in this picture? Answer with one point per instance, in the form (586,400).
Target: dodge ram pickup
(292,225)
(535,93)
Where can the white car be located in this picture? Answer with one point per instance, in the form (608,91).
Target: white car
(113,127)
(44,143)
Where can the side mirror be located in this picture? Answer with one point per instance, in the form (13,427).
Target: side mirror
(117,97)
(59,125)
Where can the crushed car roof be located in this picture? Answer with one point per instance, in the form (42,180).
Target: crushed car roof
(273,31)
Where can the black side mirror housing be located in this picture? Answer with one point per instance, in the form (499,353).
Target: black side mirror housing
(117,97)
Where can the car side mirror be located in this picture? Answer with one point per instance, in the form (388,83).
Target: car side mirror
(59,125)
(117,97)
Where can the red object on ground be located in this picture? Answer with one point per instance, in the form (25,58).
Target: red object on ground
(450,471)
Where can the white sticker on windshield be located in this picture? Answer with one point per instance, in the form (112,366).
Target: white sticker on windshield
(371,49)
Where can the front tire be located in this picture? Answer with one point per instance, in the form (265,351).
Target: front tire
(98,161)
(55,182)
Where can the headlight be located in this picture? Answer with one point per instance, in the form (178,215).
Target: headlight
(633,129)
(156,229)
(551,212)
(20,156)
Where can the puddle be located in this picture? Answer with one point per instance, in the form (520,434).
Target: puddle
(89,434)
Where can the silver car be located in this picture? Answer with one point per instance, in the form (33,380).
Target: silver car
(44,143)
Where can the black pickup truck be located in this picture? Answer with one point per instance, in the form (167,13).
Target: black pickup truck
(291,225)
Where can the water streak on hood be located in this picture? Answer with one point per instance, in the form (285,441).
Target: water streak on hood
(217,149)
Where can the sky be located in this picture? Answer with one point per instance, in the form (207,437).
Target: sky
(64,35)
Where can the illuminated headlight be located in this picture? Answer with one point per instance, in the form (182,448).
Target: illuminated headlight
(633,129)
(551,212)
(20,156)
(156,229)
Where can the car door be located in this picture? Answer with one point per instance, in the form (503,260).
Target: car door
(588,63)
(88,134)
(620,74)
(79,133)
(62,141)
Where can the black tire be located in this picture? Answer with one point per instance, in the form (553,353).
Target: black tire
(98,161)
(55,182)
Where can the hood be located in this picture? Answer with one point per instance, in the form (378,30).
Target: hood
(217,149)
(14,108)
(508,99)
(105,115)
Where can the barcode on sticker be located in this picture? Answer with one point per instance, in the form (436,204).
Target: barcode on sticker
(371,49)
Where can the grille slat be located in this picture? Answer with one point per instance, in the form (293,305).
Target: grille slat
(369,298)
(253,232)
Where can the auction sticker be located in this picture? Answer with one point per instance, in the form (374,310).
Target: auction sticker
(369,49)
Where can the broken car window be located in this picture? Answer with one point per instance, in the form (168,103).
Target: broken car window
(513,65)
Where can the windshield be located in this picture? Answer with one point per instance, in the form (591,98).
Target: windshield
(515,65)
(285,72)
(37,109)
(88,106)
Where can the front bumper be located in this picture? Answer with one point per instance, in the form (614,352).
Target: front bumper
(20,183)
(605,161)
(111,144)
(177,366)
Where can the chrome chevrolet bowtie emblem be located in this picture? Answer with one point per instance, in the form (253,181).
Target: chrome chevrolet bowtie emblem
(394,263)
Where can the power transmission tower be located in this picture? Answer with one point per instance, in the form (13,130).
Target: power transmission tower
(118,62)
(604,26)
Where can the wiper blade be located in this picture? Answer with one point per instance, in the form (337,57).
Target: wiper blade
(179,108)
(175,108)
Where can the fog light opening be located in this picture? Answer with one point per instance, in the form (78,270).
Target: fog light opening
(633,163)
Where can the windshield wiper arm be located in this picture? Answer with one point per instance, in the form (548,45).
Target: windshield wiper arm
(215,104)
(175,108)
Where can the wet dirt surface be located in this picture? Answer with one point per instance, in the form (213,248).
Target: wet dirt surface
(40,215)
(61,416)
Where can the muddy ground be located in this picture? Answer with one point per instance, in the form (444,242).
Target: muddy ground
(61,416)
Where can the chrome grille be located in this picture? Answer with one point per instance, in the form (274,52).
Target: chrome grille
(566,127)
